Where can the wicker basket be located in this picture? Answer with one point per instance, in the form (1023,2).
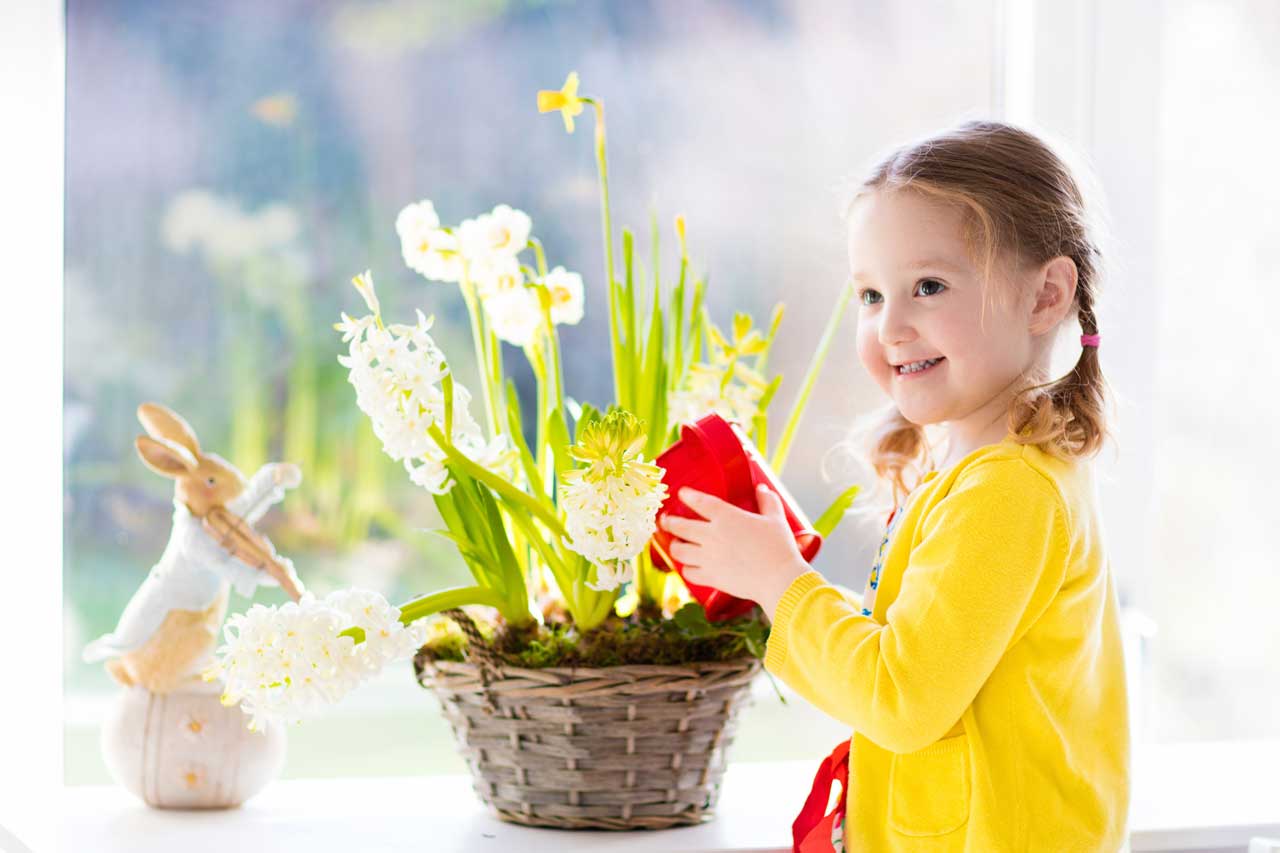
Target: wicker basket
(622,747)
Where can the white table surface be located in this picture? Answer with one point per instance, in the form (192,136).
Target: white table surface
(1185,797)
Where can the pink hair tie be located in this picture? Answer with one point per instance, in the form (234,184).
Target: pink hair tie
(1090,340)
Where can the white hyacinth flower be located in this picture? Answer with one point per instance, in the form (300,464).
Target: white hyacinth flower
(427,248)
(397,372)
(503,232)
(612,504)
(567,303)
(364,284)
(289,662)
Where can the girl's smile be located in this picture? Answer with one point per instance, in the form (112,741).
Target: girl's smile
(918,369)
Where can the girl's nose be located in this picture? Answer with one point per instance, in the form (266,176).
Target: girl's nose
(895,327)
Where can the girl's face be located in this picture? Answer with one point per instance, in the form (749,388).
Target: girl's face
(920,297)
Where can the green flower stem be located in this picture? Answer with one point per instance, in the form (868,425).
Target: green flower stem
(555,377)
(482,360)
(533,354)
(493,389)
(650,580)
(642,590)
(594,606)
(456,597)
(537,508)
(602,162)
(811,376)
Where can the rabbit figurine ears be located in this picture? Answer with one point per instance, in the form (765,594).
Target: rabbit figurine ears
(170,446)
(171,449)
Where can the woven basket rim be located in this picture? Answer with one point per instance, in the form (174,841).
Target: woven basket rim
(745,662)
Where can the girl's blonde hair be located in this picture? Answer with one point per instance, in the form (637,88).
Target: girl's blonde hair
(1022,205)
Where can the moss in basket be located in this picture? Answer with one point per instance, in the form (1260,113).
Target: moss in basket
(686,638)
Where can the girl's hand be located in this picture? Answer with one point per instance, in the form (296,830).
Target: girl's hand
(749,555)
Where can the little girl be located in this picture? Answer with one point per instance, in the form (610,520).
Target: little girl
(981,671)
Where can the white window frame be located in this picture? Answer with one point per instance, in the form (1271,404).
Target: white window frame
(31,173)
(1085,73)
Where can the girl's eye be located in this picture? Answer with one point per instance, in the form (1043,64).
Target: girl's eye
(865,297)
(210,481)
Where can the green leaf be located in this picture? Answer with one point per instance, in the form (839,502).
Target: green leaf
(728,373)
(696,319)
(770,390)
(549,554)
(589,414)
(760,430)
(630,352)
(514,421)
(763,358)
(511,569)
(834,514)
(447,599)
(653,240)
(693,619)
(810,378)
(446,385)
(558,438)
(484,568)
(675,312)
(538,505)
(575,409)
(653,385)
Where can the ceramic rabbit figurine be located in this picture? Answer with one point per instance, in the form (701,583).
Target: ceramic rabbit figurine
(170,627)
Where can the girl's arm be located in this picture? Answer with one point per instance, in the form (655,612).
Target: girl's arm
(852,597)
(992,557)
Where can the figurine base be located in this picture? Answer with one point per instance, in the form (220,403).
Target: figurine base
(185,750)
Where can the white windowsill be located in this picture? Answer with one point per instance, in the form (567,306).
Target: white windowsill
(1185,797)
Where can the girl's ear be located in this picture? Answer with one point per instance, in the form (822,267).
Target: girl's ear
(165,457)
(1055,293)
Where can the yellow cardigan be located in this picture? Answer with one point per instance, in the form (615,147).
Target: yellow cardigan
(987,689)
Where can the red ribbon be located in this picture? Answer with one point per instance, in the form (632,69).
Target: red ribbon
(811,831)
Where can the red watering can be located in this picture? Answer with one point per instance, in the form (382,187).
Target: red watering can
(714,456)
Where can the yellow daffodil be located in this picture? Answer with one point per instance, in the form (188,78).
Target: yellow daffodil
(278,110)
(566,100)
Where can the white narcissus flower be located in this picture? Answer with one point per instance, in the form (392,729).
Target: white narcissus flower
(427,248)
(218,226)
(504,231)
(286,663)
(397,372)
(700,394)
(611,504)
(566,296)
(515,315)
(494,275)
